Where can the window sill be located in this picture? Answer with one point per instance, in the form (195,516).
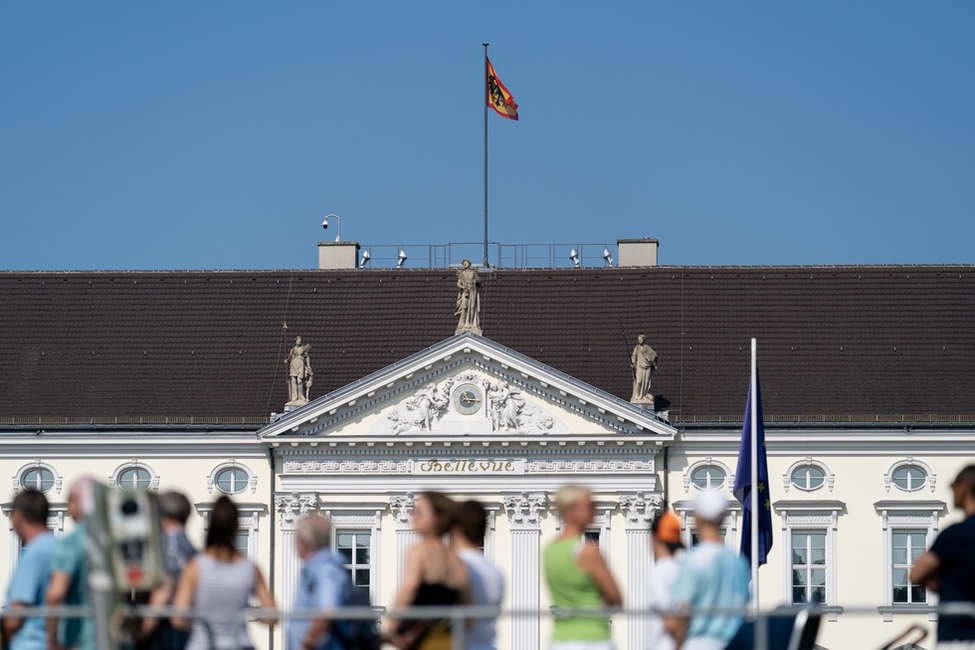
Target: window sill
(889,611)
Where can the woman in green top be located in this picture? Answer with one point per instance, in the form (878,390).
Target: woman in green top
(578,577)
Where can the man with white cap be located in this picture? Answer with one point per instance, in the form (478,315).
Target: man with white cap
(711,576)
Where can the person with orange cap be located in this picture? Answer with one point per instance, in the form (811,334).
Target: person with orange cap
(666,541)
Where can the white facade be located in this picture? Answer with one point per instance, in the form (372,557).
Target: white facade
(854,502)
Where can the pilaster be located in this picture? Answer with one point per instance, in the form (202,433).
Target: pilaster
(524,512)
(402,507)
(639,509)
(291,507)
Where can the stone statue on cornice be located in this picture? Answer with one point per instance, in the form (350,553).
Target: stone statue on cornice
(644,362)
(299,373)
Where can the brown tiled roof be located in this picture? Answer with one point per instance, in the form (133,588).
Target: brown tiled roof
(835,343)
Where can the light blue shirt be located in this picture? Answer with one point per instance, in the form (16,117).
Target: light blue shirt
(70,558)
(27,587)
(324,584)
(487,590)
(712,576)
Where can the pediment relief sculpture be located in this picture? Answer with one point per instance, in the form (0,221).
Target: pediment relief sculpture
(471,403)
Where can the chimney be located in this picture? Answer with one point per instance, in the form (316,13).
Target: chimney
(637,252)
(338,255)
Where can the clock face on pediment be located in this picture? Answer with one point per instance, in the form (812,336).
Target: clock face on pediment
(468,399)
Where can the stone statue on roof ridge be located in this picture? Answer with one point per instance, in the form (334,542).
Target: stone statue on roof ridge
(468,306)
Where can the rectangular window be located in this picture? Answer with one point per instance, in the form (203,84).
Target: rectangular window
(591,536)
(695,540)
(353,546)
(808,566)
(242,542)
(906,547)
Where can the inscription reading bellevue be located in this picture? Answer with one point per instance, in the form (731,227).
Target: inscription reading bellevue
(434,466)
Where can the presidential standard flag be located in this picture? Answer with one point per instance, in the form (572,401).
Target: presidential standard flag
(743,479)
(498,96)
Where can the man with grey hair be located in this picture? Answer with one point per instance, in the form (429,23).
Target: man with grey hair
(324,584)
(174,510)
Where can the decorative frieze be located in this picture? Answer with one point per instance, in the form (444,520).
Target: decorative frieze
(589,466)
(348,466)
(470,465)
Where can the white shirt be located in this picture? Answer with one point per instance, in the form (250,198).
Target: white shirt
(660,583)
(487,589)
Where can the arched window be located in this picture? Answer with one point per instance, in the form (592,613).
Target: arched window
(910,475)
(808,475)
(37,478)
(909,478)
(708,477)
(231,478)
(135,476)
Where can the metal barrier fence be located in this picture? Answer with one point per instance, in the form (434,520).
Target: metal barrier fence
(762,622)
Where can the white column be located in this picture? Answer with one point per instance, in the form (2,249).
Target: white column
(638,511)
(524,512)
(291,507)
(402,507)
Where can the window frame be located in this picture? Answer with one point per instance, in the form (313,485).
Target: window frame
(729,477)
(354,566)
(685,510)
(360,516)
(18,477)
(901,516)
(930,478)
(788,479)
(231,464)
(115,479)
(248,522)
(809,515)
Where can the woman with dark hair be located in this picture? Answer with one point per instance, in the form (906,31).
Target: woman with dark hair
(218,584)
(433,576)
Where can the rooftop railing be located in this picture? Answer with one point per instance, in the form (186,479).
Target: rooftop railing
(502,256)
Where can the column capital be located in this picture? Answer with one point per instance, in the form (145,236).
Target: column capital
(402,506)
(292,506)
(524,509)
(639,509)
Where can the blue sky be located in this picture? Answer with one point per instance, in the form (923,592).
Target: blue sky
(218,134)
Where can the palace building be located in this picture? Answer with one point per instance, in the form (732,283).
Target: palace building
(502,385)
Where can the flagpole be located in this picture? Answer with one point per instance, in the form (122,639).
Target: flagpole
(753,390)
(485,103)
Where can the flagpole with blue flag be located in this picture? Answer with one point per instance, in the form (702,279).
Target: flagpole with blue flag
(751,483)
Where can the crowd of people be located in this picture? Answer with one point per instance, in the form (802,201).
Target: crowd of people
(691,594)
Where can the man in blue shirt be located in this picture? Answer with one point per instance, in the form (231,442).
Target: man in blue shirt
(949,567)
(711,576)
(29,582)
(324,585)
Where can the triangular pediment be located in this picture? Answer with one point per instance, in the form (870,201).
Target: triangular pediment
(468,386)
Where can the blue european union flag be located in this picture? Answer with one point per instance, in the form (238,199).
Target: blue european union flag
(743,486)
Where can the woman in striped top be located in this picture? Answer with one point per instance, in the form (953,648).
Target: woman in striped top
(218,584)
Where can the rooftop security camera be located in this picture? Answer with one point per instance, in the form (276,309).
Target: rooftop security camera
(325,224)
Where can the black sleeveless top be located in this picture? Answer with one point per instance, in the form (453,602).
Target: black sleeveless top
(430,594)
